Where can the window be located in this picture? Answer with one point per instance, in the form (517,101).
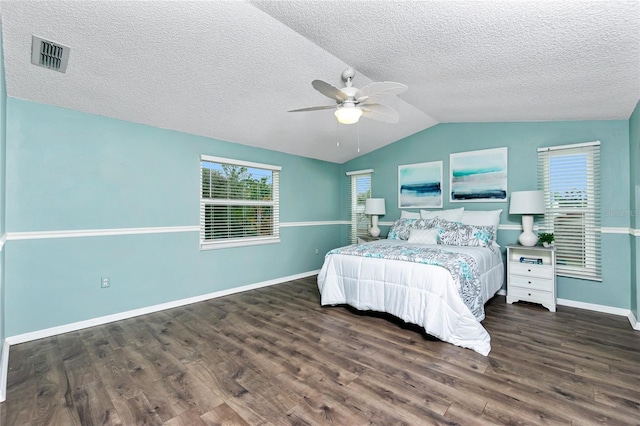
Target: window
(360,191)
(570,178)
(239,203)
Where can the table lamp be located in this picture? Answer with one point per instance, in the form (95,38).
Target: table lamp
(374,207)
(527,203)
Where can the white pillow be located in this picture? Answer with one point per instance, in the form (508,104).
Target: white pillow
(424,236)
(409,215)
(452,215)
(481,217)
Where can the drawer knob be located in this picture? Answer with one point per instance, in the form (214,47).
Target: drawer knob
(529,282)
(529,294)
(528,270)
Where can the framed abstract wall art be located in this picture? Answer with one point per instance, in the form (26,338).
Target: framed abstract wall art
(420,185)
(478,176)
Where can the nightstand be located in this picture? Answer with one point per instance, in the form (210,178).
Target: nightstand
(368,238)
(532,282)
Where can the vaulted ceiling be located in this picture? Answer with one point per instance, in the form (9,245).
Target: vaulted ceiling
(231,70)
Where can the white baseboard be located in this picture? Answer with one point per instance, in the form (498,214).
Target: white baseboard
(4,370)
(634,322)
(593,307)
(26,337)
(66,328)
(53,331)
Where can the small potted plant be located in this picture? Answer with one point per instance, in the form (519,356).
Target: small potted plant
(546,239)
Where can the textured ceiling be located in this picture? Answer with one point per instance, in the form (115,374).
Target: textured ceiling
(230,70)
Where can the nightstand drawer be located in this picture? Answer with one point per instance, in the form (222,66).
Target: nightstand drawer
(534,283)
(531,270)
(532,295)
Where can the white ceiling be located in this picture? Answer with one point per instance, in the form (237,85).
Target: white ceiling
(231,70)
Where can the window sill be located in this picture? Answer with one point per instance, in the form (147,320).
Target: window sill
(222,244)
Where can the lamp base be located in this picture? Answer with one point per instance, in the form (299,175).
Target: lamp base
(527,238)
(374,231)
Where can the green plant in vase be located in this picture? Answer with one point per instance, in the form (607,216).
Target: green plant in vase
(546,239)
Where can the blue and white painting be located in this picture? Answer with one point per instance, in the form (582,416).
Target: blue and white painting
(479,176)
(420,185)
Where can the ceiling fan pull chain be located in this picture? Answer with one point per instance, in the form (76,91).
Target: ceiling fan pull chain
(358,136)
(338,134)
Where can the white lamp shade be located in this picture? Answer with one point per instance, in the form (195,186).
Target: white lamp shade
(527,202)
(348,114)
(374,206)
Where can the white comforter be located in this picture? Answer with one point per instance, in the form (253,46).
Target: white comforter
(420,294)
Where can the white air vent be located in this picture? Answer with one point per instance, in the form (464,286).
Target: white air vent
(48,54)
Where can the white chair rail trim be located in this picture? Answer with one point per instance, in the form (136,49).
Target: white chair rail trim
(40,235)
(76,233)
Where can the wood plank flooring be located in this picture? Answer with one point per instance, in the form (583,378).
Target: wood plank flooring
(274,356)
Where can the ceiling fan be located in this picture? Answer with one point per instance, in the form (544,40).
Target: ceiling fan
(353,103)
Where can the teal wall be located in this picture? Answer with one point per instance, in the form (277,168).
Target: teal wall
(634,207)
(523,139)
(68,170)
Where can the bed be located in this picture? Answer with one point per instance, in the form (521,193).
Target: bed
(440,287)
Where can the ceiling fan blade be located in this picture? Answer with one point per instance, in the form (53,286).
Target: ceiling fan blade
(317,108)
(329,91)
(380,113)
(380,88)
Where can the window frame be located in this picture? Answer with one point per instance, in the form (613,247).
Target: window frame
(356,214)
(591,268)
(220,243)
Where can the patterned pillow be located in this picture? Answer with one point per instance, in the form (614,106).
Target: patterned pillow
(436,223)
(482,218)
(400,229)
(428,223)
(424,236)
(457,234)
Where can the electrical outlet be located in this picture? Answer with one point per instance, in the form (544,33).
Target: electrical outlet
(105,282)
(316,251)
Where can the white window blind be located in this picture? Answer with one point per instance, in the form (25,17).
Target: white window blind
(239,203)
(360,191)
(570,178)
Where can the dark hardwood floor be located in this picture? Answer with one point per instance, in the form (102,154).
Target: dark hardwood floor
(275,356)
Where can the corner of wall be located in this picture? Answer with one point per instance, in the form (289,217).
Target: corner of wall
(633,321)
(4,370)
(634,158)
(4,347)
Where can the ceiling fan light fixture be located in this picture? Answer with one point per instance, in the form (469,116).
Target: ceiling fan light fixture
(348,114)
(354,103)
